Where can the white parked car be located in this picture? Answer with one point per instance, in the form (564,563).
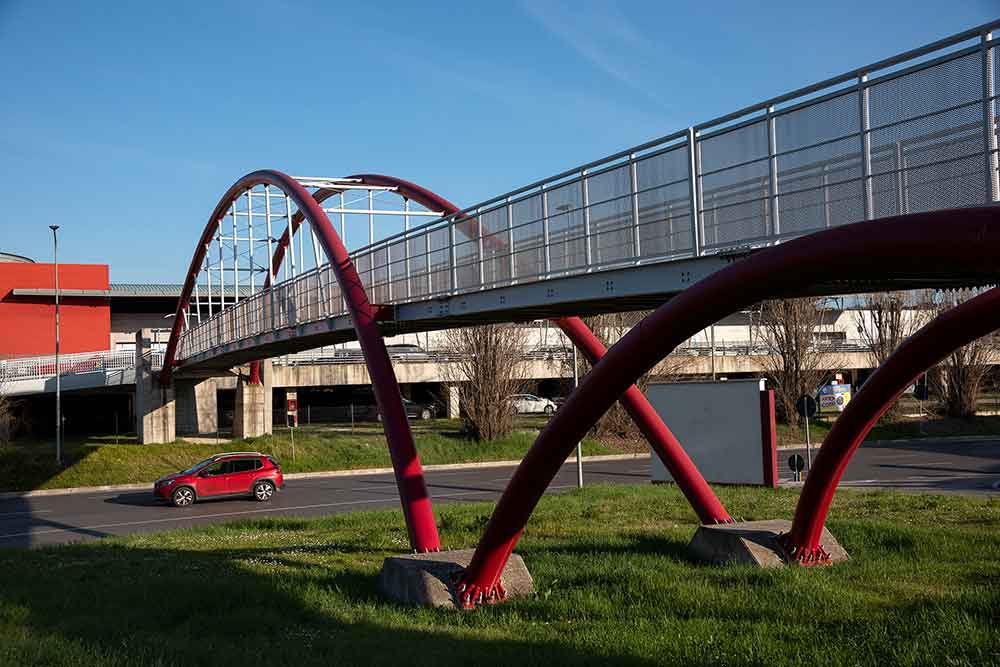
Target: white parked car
(529,404)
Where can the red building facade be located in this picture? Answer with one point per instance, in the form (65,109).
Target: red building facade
(27,308)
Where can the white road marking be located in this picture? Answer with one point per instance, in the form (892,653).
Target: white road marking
(226,514)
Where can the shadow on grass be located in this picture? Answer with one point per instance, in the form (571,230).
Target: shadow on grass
(112,604)
(636,544)
(29,464)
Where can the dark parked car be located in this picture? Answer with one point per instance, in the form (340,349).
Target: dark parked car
(416,410)
(230,474)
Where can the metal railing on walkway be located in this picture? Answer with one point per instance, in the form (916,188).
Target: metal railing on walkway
(40,368)
(911,133)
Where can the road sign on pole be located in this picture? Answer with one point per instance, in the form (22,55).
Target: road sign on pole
(806,407)
(797,465)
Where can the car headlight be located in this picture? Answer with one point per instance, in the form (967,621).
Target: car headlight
(166,482)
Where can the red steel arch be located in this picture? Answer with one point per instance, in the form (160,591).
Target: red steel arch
(703,500)
(949,243)
(949,331)
(687,476)
(413,495)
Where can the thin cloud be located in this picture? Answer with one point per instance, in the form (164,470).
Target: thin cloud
(605,37)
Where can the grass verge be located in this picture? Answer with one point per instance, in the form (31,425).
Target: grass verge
(98,460)
(613,587)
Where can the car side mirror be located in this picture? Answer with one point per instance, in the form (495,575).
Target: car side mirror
(204,473)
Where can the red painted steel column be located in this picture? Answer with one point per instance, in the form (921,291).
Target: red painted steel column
(769,439)
(936,245)
(413,495)
(685,473)
(949,331)
(694,487)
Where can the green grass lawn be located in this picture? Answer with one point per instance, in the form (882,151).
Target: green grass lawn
(613,586)
(98,460)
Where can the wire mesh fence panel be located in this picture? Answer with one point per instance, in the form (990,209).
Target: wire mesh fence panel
(439,259)
(927,138)
(527,230)
(610,197)
(735,185)
(665,223)
(566,229)
(818,154)
(496,247)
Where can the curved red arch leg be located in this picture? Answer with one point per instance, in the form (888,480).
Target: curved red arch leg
(949,331)
(682,469)
(950,243)
(413,495)
(690,481)
(685,473)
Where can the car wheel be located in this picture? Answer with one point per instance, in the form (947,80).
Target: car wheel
(263,491)
(549,410)
(425,414)
(182,496)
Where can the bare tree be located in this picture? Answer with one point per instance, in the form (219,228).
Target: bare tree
(609,329)
(795,362)
(958,380)
(488,361)
(885,320)
(6,416)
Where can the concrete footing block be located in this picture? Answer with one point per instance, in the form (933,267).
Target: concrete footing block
(753,543)
(427,579)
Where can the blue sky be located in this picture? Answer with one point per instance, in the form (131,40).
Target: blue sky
(124,122)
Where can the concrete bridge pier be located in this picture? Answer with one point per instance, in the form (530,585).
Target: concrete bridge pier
(155,408)
(197,406)
(453,397)
(253,415)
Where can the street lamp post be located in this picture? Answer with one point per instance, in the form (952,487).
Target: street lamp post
(55,258)
(579,446)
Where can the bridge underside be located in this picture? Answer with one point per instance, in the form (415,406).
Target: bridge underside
(617,290)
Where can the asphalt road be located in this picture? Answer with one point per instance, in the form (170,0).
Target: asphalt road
(972,467)
(919,465)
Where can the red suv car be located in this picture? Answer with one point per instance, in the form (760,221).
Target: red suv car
(231,474)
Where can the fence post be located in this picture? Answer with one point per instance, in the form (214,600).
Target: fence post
(634,185)
(510,241)
(547,255)
(990,119)
(588,246)
(695,190)
(866,145)
(772,162)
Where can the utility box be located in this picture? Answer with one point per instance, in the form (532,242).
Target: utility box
(727,428)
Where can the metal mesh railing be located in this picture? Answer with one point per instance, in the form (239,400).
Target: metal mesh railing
(913,133)
(40,368)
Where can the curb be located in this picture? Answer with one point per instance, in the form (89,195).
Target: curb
(311,475)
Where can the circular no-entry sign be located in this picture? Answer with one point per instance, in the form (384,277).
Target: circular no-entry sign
(805,406)
(796,463)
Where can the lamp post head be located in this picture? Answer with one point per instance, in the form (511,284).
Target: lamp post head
(53,227)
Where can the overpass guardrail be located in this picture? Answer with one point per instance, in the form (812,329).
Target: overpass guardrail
(911,133)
